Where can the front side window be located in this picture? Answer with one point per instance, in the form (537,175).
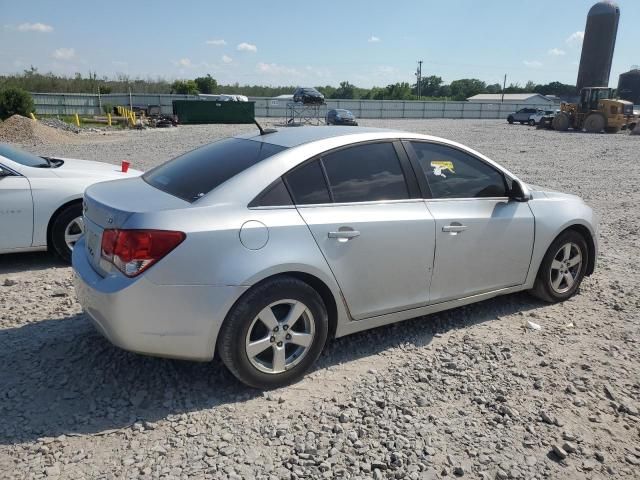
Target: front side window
(365,173)
(452,173)
(196,173)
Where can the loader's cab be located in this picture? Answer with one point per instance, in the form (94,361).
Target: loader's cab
(590,98)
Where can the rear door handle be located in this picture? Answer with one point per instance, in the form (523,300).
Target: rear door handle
(344,234)
(454,228)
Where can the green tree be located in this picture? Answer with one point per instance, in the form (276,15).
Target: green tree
(398,91)
(494,88)
(556,88)
(15,101)
(184,87)
(206,84)
(466,87)
(430,86)
(345,90)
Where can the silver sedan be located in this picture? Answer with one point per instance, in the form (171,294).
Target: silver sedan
(265,245)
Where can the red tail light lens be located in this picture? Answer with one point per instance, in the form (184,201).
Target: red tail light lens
(133,251)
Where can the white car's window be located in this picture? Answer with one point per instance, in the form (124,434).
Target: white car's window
(23,158)
(365,173)
(452,173)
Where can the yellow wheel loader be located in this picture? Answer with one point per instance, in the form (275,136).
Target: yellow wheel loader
(597,111)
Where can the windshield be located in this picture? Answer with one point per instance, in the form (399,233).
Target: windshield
(196,173)
(23,158)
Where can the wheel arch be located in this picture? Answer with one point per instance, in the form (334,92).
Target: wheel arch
(55,214)
(588,237)
(319,285)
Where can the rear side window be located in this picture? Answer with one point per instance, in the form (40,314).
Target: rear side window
(365,173)
(307,184)
(452,173)
(196,173)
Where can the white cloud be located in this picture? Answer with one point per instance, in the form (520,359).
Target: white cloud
(218,42)
(575,38)
(374,39)
(64,53)
(275,69)
(227,59)
(35,27)
(532,63)
(184,62)
(247,47)
(556,52)
(120,63)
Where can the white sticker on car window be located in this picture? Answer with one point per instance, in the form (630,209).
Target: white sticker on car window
(441,166)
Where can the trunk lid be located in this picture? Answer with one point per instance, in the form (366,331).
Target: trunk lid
(110,204)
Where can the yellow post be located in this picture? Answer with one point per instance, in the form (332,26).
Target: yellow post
(33,117)
(109,119)
(77,120)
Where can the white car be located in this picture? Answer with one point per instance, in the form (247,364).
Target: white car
(41,199)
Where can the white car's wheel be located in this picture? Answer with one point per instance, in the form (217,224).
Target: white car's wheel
(66,230)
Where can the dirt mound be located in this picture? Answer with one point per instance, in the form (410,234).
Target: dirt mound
(23,130)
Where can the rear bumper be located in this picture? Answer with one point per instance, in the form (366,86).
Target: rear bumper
(174,321)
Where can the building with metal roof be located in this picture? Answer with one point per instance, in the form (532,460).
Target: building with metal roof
(519,98)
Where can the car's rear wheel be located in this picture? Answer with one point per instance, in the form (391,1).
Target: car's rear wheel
(66,230)
(563,268)
(274,333)
(510,120)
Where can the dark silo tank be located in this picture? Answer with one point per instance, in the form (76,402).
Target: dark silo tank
(597,47)
(629,86)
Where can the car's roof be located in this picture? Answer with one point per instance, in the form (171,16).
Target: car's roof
(295,136)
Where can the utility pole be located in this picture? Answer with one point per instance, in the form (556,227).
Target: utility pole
(504,85)
(419,76)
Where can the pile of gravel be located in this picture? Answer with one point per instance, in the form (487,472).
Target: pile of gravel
(59,124)
(19,129)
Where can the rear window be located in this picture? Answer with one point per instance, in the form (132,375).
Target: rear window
(196,173)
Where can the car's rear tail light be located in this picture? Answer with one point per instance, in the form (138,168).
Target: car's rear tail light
(133,251)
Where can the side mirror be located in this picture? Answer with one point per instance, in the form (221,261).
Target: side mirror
(519,191)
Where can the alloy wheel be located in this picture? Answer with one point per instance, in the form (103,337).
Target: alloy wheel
(73,231)
(565,267)
(280,336)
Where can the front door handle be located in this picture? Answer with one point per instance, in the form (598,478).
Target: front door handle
(344,234)
(453,228)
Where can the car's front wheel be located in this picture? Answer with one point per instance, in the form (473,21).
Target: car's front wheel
(510,120)
(563,268)
(532,122)
(66,230)
(274,333)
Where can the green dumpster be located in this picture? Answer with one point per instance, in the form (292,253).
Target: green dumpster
(206,111)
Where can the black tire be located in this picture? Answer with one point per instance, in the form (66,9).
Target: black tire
(595,123)
(561,122)
(510,120)
(543,288)
(235,331)
(532,122)
(58,227)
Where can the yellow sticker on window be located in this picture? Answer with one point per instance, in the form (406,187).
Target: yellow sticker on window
(440,166)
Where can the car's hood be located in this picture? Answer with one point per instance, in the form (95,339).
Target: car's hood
(73,168)
(543,192)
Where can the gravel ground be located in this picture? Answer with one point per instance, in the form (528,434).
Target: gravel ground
(467,393)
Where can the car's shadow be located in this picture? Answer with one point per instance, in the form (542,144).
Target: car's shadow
(59,376)
(32,261)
